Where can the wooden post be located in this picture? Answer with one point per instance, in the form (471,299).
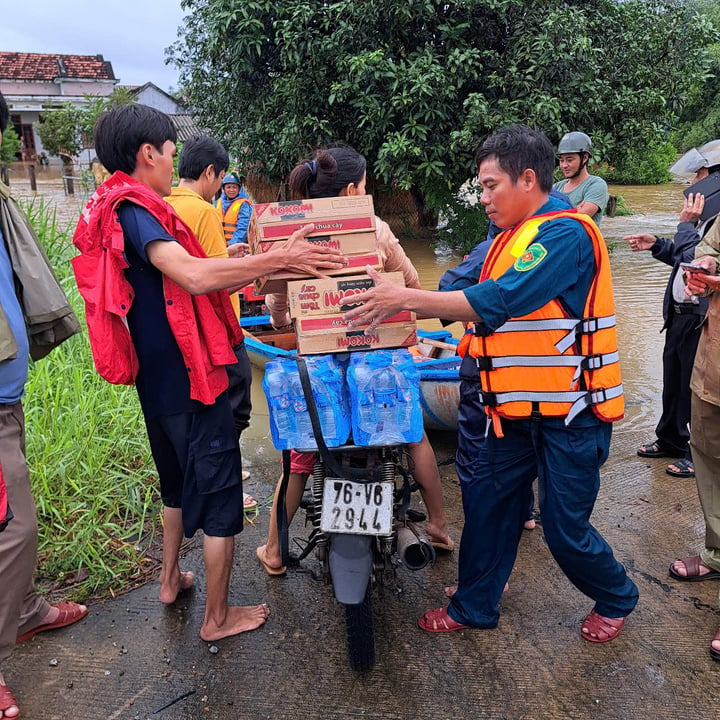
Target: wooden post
(33,181)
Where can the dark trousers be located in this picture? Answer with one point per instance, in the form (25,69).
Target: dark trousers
(681,343)
(496,476)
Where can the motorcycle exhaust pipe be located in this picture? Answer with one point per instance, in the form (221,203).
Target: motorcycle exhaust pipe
(414,548)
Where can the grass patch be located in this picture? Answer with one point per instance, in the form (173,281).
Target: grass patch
(91,470)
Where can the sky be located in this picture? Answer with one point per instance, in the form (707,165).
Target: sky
(131,34)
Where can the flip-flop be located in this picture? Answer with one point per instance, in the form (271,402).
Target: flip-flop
(692,565)
(269,569)
(249,502)
(70,613)
(448,546)
(715,654)
(7,700)
(685,468)
(652,450)
(438,621)
(598,629)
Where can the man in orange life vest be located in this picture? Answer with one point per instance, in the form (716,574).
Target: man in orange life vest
(546,351)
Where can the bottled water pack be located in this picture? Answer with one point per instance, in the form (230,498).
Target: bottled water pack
(290,424)
(384,398)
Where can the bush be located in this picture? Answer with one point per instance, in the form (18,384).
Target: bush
(640,166)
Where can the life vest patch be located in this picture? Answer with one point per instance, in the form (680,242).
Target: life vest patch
(531,258)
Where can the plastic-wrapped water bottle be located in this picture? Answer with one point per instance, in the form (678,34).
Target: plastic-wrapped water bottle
(282,421)
(290,423)
(303,436)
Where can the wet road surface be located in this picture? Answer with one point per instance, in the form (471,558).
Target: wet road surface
(131,656)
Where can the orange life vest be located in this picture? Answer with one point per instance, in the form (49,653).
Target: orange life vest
(230,217)
(546,363)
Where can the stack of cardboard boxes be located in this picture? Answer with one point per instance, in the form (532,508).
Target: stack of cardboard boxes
(317,304)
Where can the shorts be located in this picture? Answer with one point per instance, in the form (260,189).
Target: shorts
(197,457)
(240,380)
(302,463)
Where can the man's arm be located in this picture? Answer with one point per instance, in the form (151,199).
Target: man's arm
(595,197)
(202,275)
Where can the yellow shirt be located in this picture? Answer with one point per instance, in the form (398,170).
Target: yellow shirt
(206,222)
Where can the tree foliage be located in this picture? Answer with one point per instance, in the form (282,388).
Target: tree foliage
(416,86)
(66,131)
(10,146)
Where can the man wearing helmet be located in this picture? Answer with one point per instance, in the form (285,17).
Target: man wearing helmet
(235,207)
(588,193)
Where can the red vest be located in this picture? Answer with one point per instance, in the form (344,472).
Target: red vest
(205,326)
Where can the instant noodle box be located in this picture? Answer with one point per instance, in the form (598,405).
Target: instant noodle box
(317,306)
(344,223)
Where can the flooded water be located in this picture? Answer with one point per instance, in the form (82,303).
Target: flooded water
(639,284)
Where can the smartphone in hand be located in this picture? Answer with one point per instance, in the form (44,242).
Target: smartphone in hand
(692,267)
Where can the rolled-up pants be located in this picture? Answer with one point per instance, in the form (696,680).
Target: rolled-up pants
(21,608)
(496,476)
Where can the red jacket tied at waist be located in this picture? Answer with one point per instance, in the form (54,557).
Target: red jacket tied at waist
(205,326)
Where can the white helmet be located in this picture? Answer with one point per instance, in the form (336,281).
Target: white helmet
(707,155)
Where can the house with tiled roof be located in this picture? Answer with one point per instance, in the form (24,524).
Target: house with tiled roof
(33,83)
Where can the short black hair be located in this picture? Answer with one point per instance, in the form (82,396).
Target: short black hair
(120,133)
(517,148)
(331,170)
(197,153)
(4,114)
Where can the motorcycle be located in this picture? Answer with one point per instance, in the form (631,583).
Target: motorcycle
(362,526)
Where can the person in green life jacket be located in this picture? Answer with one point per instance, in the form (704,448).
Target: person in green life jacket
(588,193)
(236,209)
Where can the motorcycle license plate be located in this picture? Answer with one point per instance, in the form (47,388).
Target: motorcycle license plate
(360,508)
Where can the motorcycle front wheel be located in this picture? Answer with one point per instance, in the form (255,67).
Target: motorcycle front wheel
(360,634)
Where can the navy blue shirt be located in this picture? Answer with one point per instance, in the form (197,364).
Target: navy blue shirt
(162,382)
(565,273)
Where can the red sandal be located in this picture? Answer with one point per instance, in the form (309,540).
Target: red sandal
(70,613)
(7,700)
(438,621)
(598,629)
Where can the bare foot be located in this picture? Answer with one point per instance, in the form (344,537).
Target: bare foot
(715,646)
(529,524)
(450,590)
(271,562)
(439,536)
(237,620)
(170,590)
(8,705)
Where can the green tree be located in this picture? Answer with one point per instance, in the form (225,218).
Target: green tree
(60,132)
(416,86)
(10,146)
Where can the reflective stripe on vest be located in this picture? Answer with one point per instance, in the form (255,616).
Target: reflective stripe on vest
(230,216)
(546,363)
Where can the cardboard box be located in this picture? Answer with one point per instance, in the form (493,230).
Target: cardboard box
(336,337)
(326,296)
(336,216)
(344,223)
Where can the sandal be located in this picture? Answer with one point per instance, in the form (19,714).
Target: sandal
(7,700)
(249,502)
(684,468)
(70,613)
(652,450)
(598,629)
(715,654)
(438,621)
(692,567)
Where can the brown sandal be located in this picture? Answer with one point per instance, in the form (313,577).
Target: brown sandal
(692,567)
